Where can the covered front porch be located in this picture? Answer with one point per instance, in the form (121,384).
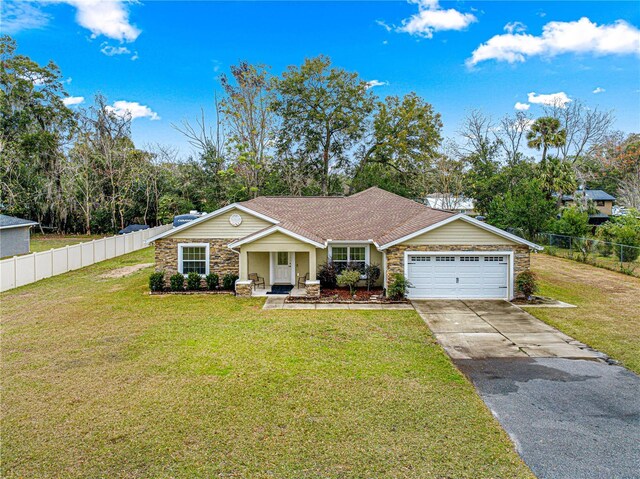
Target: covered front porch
(277,263)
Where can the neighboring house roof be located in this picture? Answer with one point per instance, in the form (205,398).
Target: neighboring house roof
(443,201)
(593,195)
(7,222)
(373,215)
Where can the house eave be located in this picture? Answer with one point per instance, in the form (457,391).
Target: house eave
(468,219)
(271,230)
(208,216)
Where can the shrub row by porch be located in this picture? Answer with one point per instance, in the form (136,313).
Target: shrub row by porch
(192,282)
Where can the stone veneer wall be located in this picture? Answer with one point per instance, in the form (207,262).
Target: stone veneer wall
(244,288)
(222,260)
(395,255)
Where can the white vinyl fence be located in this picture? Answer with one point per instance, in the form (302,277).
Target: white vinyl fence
(21,270)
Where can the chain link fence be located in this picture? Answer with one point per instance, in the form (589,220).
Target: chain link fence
(613,256)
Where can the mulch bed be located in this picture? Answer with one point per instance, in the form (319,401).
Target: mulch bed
(535,300)
(343,295)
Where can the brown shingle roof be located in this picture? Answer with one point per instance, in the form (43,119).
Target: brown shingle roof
(373,214)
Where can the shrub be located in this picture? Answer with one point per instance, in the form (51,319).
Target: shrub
(372,274)
(229,281)
(193,281)
(624,230)
(526,283)
(177,282)
(156,281)
(398,287)
(573,222)
(328,275)
(349,277)
(212,281)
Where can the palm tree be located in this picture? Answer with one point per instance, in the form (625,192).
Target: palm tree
(557,177)
(546,132)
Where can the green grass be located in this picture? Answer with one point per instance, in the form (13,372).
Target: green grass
(101,379)
(608,314)
(40,242)
(611,262)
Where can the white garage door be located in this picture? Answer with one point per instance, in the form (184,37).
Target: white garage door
(455,276)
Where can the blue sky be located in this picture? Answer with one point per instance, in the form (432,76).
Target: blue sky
(161,59)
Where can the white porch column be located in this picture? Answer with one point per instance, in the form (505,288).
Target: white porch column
(312,264)
(244,275)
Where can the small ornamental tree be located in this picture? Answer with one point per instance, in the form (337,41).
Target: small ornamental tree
(328,275)
(349,277)
(372,274)
(526,283)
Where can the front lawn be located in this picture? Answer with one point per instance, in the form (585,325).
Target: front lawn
(101,379)
(608,314)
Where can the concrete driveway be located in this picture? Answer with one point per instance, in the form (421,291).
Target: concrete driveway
(479,329)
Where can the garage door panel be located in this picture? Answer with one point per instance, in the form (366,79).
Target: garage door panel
(458,276)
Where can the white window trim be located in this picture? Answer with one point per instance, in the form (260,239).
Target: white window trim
(186,245)
(349,246)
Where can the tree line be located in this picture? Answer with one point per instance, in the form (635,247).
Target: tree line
(315,129)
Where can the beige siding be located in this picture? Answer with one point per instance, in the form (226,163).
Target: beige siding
(219,227)
(321,255)
(375,257)
(259,263)
(459,232)
(302,265)
(277,242)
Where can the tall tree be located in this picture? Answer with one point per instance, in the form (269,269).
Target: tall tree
(404,141)
(557,177)
(585,127)
(34,128)
(251,121)
(324,112)
(546,132)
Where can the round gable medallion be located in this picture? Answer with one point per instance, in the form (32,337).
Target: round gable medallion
(235,219)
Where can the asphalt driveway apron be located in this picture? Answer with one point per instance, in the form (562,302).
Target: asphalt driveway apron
(570,414)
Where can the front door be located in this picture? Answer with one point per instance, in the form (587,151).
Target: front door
(282,273)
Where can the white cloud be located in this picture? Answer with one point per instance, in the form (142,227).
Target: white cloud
(374,83)
(133,109)
(384,25)
(521,106)
(515,27)
(581,36)
(17,16)
(110,50)
(432,18)
(599,90)
(109,18)
(73,100)
(551,99)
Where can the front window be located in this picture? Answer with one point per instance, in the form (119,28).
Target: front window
(194,258)
(354,256)
(599,203)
